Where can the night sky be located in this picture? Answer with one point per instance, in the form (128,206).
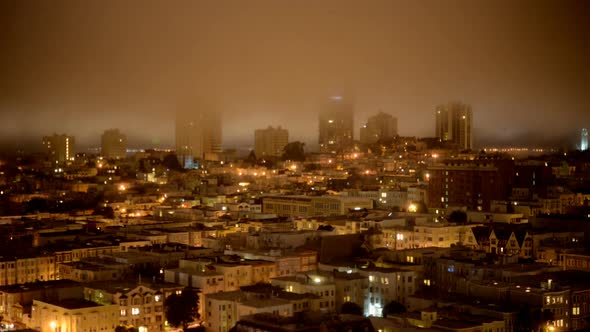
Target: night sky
(80,67)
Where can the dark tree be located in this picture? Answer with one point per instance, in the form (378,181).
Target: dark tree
(312,167)
(106,212)
(458,216)
(181,309)
(532,320)
(294,151)
(351,308)
(171,162)
(121,328)
(36,205)
(251,158)
(393,308)
(325,228)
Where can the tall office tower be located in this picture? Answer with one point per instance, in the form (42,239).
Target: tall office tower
(61,148)
(336,126)
(270,142)
(198,136)
(584,141)
(113,144)
(379,127)
(454,123)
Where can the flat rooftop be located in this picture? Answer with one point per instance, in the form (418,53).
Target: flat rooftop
(74,303)
(124,286)
(33,286)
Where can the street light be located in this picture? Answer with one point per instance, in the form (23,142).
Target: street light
(53,325)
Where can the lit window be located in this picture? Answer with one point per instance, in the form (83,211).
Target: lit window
(135,311)
(576,310)
(123,312)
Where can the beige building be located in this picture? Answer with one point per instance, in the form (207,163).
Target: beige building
(386,285)
(222,310)
(87,271)
(16,300)
(379,127)
(286,262)
(313,282)
(113,144)
(60,148)
(442,235)
(270,142)
(336,125)
(454,123)
(198,136)
(73,315)
(312,206)
(30,269)
(138,304)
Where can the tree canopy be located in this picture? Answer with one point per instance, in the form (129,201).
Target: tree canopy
(458,216)
(171,162)
(294,151)
(393,308)
(125,329)
(181,309)
(351,308)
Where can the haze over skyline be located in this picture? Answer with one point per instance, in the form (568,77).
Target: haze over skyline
(83,67)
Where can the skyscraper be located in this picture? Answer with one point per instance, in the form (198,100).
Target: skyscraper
(584,140)
(198,136)
(454,122)
(113,144)
(270,142)
(61,148)
(379,127)
(336,125)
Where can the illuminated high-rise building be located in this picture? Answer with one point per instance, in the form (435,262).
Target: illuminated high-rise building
(379,127)
(584,140)
(336,125)
(60,148)
(113,144)
(270,142)
(198,136)
(454,123)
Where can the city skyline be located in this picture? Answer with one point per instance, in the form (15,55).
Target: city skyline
(122,70)
(295,166)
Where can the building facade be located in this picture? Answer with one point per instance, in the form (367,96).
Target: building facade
(336,126)
(470,183)
(310,206)
(113,144)
(73,315)
(381,126)
(270,142)
(454,123)
(60,148)
(198,136)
